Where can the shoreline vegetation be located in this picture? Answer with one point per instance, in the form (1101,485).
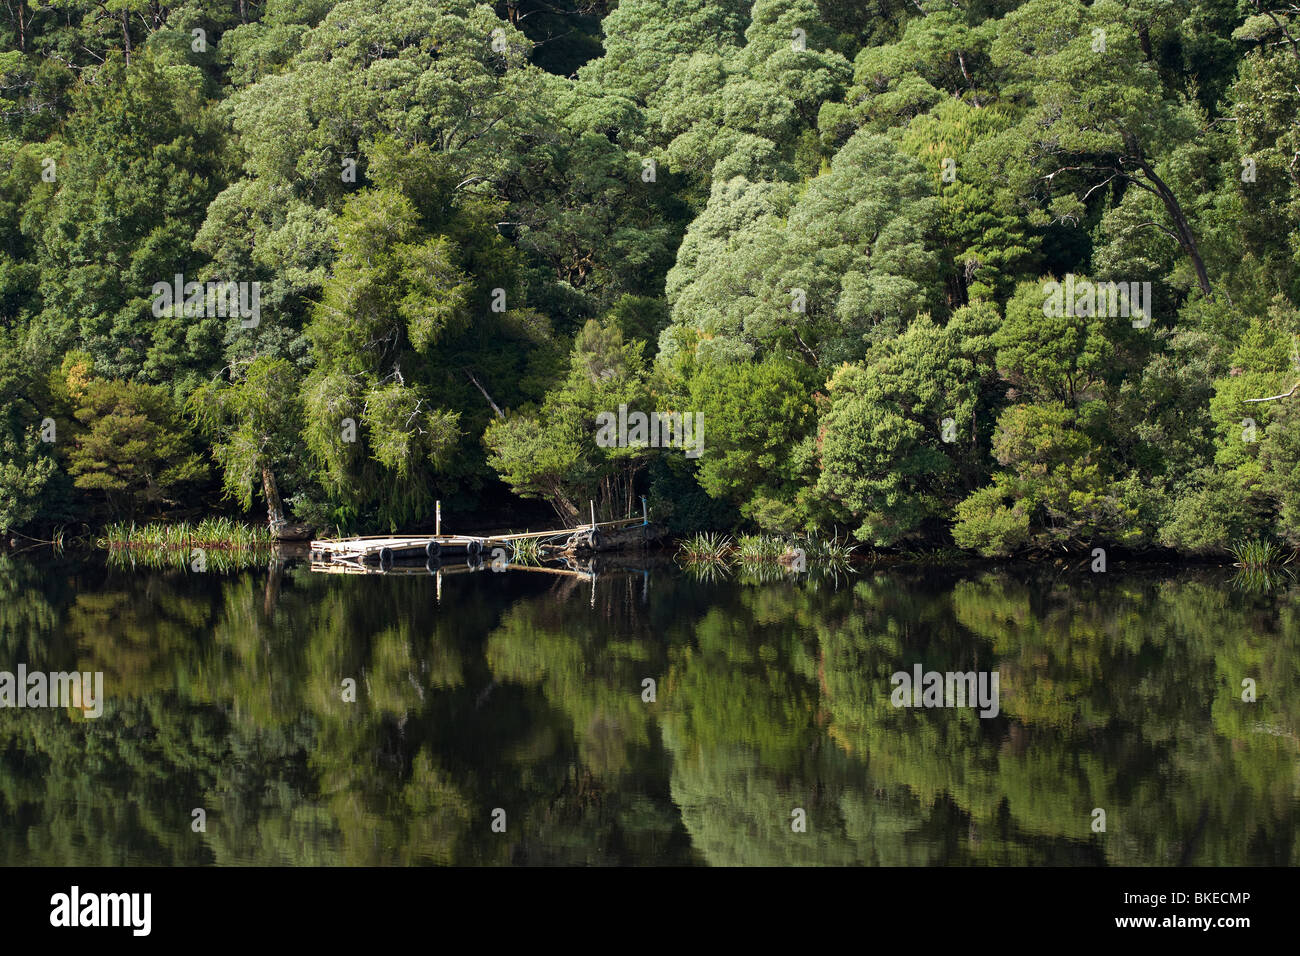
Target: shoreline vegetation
(795,552)
(225,545)
(211,543)
(217,534)
(230,544)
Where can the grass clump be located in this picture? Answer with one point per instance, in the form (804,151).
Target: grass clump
(754,548)
(1256,554)
(832,550)
(526,551)
(706,546)
(226,544)
(768,556)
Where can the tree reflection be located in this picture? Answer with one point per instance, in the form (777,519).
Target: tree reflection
(523,692)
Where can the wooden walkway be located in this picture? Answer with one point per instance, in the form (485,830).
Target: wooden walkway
(385,549)
(424,570)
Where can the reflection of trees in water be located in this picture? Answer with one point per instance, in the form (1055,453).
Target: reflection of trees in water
(28,619)
(747,726)
(519,693)
(582,668)
(1111,697)
(214,704)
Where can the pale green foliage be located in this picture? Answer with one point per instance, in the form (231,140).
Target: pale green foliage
(132,446)
(553,453)
(646,40)
(375,66)
(984,238)
(1209,518)
(1056,356)
(402,429)
(539,460)
(393,294)
(853,241)
(752,100)
(1090,116)
(939,56)
(759,440)
(387,280)
(331,401)
(1280,459)
(253,423)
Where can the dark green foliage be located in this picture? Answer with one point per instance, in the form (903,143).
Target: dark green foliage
(27,463)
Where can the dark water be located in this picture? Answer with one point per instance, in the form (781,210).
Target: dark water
(523,691)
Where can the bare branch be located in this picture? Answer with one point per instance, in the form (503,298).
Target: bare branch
(495,408)
(1273,398)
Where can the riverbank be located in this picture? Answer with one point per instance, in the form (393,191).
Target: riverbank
(234,543)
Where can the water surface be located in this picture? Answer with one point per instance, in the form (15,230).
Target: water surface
(523,692)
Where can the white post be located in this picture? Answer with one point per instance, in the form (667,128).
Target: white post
(437,520)
(592,502)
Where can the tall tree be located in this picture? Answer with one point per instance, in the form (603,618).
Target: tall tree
(1095,113)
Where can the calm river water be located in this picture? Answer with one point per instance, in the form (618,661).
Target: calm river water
(516,702)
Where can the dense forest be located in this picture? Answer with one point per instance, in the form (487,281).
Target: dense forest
(981,273)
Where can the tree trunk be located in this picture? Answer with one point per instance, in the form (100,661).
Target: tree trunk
(1144,41)
(565,508)
(274,507)
(1182,227)
(126,36)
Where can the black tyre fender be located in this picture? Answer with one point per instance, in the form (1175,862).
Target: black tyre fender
(433,550)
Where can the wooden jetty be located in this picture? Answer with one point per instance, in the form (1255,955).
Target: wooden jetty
(385,549)
(429,567)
